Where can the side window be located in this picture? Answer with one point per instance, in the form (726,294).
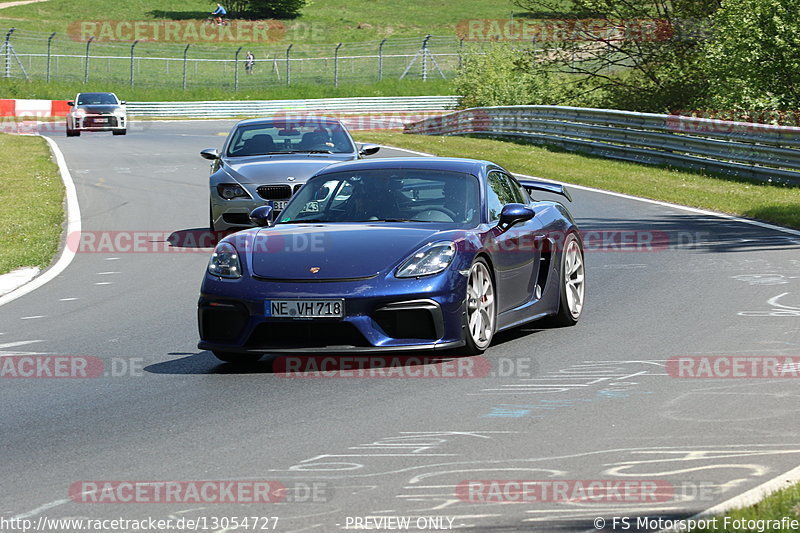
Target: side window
(499,193)
(520,196)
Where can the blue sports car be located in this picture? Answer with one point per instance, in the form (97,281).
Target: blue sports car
(394,254)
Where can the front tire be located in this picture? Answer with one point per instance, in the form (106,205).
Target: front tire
(73,133)
(572,284)
(480,318)
(120,132)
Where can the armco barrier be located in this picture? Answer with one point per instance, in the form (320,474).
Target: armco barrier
(224,109)
(378,104)
(759,151)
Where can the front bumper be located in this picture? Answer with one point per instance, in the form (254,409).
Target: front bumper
(107,122)
(234,214)
(398,315)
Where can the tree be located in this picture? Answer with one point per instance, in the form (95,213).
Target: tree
(754,57)
(640,55)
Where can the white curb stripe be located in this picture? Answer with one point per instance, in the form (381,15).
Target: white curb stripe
(73,226)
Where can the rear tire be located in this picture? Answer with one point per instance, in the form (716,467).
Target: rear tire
(572,282)
(236,358)
(480,315)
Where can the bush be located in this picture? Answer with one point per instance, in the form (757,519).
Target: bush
(270,9)
(501,75)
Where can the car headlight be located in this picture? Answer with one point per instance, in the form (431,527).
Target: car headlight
(79,113)
(225,262)
(431,259)
(119,112)
(230,191)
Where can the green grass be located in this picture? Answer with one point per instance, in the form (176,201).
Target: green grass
(784,503)
(67,91)
(322,21)
(770,203)
(32,196)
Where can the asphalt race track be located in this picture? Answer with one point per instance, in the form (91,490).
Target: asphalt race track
(592,402)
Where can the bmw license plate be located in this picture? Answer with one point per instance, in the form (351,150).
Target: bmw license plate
(304,308)
(279,205)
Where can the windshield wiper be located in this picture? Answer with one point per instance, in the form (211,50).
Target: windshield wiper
(383,220)
(303,220)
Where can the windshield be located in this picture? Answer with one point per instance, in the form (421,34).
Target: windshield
(393,195)
(97,99)
(283,137)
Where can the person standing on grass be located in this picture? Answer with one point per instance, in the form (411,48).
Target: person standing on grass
(219,14)
(249,62)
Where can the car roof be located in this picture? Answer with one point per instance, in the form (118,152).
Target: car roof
(289,117)
(453,164)
(98,93)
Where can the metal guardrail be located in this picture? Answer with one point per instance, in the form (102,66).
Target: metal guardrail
(221,109)
(759,151)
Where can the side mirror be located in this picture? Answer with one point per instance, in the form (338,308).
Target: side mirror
(514,214)
(368,149)
(210,153)
(122,102)
(70,103)
(262,216)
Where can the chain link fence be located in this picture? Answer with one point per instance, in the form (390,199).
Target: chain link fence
(58,57)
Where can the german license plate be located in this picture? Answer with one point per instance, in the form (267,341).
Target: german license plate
(304,308)
(279,205)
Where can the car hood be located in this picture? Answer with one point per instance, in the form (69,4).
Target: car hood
(258,170)
(339,251)
(99,108)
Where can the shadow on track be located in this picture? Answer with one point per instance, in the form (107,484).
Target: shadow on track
(690,232)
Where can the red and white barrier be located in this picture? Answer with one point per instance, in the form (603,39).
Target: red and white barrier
(33,108)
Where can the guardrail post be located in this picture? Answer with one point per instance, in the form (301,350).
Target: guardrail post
(236,69)
(185,53)
(86,61)
(460,54)
(288,68)
(380,60)
(336,65)
(7,48)
(49,45)
(425,58)
(132,47)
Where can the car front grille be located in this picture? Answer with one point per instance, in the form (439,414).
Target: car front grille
(275,192)
(311,334)
(100,120)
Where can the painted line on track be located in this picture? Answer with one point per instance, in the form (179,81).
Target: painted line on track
(73,225)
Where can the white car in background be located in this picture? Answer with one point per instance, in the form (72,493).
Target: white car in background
(97,112)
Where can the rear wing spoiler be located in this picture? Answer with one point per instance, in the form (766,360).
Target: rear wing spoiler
(546,186)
